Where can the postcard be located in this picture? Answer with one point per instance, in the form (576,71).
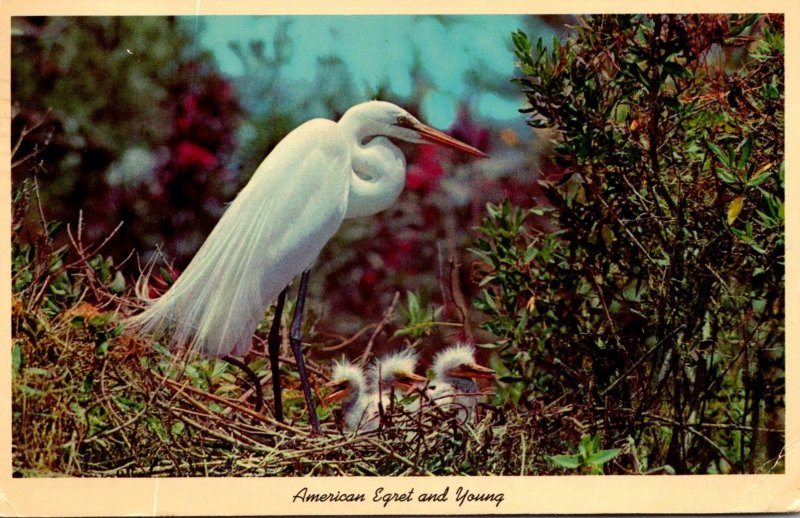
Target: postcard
(395,258)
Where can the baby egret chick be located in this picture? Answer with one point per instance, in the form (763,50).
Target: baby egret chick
(393,377)
(454,386)
(350,387)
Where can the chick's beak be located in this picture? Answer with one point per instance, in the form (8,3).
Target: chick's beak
(340,391)
(408,381)
(473,371)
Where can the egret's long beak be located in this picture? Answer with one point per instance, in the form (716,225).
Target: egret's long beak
(408,380)
(443,139)
(341,388)
(473,371)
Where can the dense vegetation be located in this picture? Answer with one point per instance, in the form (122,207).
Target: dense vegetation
(657,309)
(629,292)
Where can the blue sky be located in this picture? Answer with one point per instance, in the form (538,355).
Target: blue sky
(378,49)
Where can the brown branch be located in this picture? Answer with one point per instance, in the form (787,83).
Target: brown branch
(387,317)
(348,341)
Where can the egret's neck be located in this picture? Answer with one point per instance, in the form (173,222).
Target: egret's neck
(352,400)
(378,170)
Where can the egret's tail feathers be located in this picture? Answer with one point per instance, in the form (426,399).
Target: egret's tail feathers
(142,287)
(198,314)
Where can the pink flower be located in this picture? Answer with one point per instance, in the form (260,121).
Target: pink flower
(369,278)
(426,172)
(400,255)
(188,110)
(189,154)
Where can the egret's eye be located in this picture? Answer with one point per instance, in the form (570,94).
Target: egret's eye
(404,122)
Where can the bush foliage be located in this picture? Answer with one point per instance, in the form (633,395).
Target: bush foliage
(657,308)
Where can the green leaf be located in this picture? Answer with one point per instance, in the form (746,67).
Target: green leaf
(77,322)
(719,153)
(603,456)
(757,180)
(177,428)
(102,348)
(53,227)
(166,276)
(103,269)
(565,461)
(726,177)
(100,321)
(88,383)
(770,91)
(16,358)
(117,285)
(747,149)
(675,70)
(158,427)
(36,371)
(118,330)
(22,281)
(29,391)
(127,404)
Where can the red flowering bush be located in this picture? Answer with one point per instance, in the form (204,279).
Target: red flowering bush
(137,129)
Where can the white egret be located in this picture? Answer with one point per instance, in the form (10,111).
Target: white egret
(319,174)
(453,386)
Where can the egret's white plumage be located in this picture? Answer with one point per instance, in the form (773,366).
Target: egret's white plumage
(453,386)
(276,227)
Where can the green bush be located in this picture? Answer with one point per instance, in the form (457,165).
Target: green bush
(657,308)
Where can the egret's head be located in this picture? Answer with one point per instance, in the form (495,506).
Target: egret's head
(375,118)
(457,362)
(397,371)
(347,382)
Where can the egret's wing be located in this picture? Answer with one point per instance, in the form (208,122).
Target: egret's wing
(273,230)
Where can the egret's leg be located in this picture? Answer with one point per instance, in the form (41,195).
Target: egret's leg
(274,346)
(296,341)
(253,379)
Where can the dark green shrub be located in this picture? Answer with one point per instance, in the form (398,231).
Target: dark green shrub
(657,309)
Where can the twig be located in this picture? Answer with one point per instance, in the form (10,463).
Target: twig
(345,343)
(387,317)
(396,455)
(24,133)
(251,413)
(459,300)
(84,253)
